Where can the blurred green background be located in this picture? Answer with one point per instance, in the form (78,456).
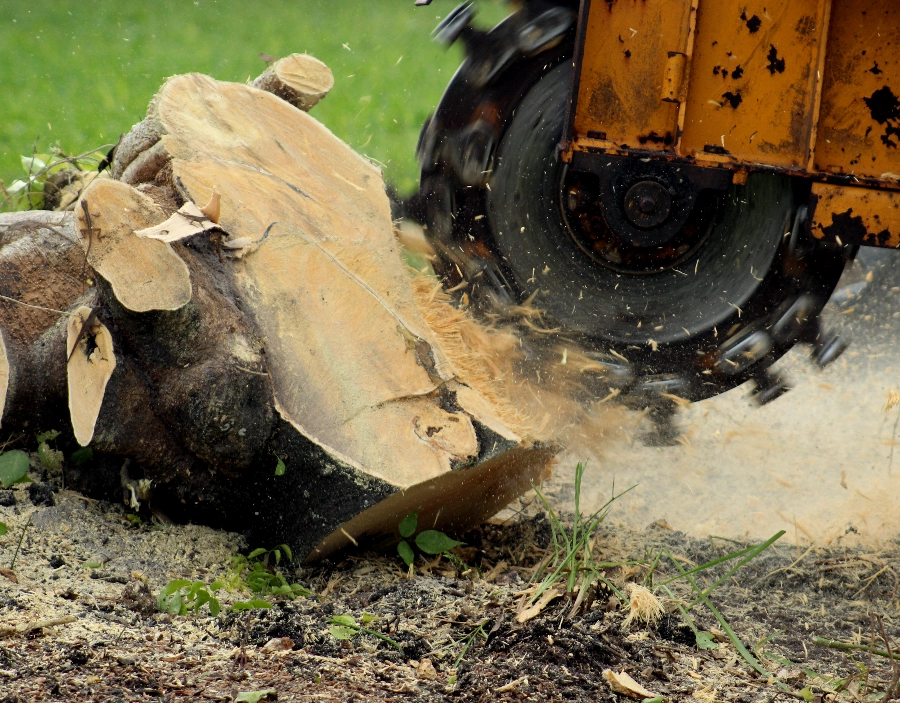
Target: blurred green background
(80,73)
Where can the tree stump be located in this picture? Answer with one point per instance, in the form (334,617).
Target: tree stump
(277,327)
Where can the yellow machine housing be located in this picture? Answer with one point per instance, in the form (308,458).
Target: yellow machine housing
(807,89)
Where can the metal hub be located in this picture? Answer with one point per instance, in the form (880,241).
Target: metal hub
(654,226)
(647,204)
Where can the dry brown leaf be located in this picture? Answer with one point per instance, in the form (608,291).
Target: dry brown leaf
(535,610)
(8,574)
(627,686)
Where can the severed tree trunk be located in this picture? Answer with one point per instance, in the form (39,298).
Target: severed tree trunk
(197,349)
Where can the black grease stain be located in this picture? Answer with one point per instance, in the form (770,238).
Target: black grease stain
(753,23)
(846,228)
(734,99)
(805,26)
(627,53)
(885,110)
(654,138)
(737,73)
(776,64)
(875,69)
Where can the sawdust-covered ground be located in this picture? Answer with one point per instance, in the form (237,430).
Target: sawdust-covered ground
(456,624)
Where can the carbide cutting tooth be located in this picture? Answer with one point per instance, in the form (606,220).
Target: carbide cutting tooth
(769,386)
(827,348)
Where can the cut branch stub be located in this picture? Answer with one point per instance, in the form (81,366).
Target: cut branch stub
(4,375)
(145,274)
(300,79)
(91,363)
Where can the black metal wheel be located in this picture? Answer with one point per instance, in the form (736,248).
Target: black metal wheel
(682,282)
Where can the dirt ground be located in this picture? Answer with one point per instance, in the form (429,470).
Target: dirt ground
(84,561)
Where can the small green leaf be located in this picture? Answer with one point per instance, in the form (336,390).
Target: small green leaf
(50,458)
(254,604)
(92,565)
(80,456)
(280,468)
(435,542)
(342,620)
(256,553)
(195,588)
(406,552)
(214,607)
(134,519)
(299,590)
(705,641)
(3,529)
(13,467)
(48,436)
(270,694)
(367,618)
(203,598)
(342,633)
(176,605)
(176,585)
(807,694)
(287,551)
(277,553)
(408,525)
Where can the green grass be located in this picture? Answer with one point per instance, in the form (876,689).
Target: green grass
(80,73)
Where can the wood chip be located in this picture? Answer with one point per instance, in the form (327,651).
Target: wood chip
(627,686)
(513,685)
(187,221)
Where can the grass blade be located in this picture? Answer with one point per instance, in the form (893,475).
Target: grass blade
(753,553)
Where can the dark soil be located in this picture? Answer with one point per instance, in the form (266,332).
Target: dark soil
(455,622)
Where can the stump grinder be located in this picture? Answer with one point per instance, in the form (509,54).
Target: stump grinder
(677,184)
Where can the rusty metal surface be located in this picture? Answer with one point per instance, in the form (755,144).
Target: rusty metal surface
(859,126)
(753,83)
(623,70)
(851,215)
(806,88)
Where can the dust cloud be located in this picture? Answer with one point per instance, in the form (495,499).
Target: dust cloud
(822,462)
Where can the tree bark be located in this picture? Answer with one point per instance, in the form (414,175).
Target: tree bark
(287,333)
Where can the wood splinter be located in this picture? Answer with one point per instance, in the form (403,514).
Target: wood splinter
(19,630)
